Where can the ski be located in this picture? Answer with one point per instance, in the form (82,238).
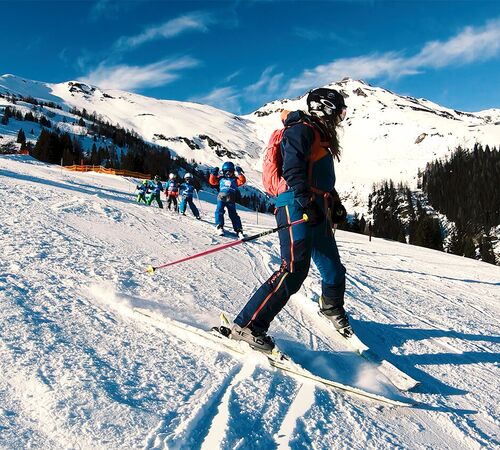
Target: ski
(396,376)
(276,359)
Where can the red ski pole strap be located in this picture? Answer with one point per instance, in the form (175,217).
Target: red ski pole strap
(151,269)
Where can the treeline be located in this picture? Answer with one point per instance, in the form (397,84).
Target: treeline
(54,147)
(113,146)
(14,113)
(466,188)
(29,99)
(253,201)
(397,216)
(355,225)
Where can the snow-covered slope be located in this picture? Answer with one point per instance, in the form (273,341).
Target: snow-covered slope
(79,370)
(385,135)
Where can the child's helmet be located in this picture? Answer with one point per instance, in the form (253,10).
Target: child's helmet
(145,182)
(228,168)
(188,176)
(157,178)
(326,103)
(171,176)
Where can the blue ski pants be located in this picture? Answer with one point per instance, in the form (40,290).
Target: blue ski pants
(233,215)
(188,201)
(298,244)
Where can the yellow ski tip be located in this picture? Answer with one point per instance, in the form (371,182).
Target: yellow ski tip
(305,217)
(223,319)
(150,270)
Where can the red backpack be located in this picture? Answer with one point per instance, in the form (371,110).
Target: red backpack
(273,182)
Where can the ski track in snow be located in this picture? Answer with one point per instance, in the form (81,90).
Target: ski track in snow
(78,369)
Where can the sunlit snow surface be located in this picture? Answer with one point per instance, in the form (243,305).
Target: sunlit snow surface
(78,369)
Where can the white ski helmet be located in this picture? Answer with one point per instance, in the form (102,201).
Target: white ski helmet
(171,176)
(188,176)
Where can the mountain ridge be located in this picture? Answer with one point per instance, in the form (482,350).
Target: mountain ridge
(385,135)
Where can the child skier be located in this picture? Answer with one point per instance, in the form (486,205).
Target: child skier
(155,194)
(172,191)
(186,190)
(231,179)
(142,190)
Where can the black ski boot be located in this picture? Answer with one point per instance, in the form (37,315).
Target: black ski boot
(337,316)
(258,341)
(220,230)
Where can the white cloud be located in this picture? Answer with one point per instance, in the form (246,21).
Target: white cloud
(470,45)
(226,98)
(129,78)
(267,84)
(109,9)
(196,21)
(229,98)
(232,76)
(362,67)
(320,35)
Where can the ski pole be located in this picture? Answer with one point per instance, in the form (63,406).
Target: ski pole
(199,201)
(151,269)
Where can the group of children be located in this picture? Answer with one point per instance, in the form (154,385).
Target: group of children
(228,180)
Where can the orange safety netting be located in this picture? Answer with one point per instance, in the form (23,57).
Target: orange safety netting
(100,169)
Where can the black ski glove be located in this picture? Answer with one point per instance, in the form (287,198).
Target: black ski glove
(314,214)
(338,213)
(215,171)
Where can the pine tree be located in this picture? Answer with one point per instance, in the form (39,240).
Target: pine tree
(21,137)
(457,242)
(486,249)
(469,248)
(94,158)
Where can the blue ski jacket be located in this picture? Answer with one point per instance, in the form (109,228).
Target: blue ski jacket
(157,188)
(186,190)
(228,186)
(307,159)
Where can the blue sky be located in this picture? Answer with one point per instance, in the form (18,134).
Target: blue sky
(238,55)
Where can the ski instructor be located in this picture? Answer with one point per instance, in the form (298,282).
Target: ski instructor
(308,147)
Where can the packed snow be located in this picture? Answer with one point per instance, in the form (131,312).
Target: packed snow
(80,369)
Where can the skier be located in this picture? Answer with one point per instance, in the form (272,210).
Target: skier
(142,190)
(155,194)
(308,148)
(172,191)
(186,191)
(231,179)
